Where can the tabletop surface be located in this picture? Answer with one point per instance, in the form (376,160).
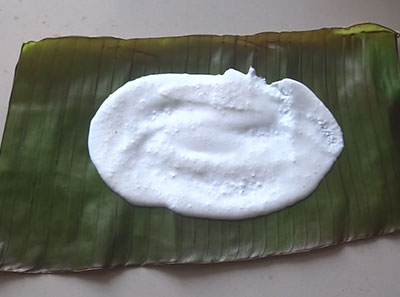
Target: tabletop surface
(368,267)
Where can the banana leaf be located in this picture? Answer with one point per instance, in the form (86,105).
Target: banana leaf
(56,213)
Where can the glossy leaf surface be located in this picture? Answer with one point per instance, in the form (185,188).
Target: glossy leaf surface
(56,214)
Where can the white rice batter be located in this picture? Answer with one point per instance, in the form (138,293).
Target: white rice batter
(218,146)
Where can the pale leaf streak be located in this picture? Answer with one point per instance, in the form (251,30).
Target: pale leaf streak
(340,174)
(132,64)
(178,220)
(143,52)
(380,150)
(110,254)
(253,236)
(33,87)
(193,249)
(208,240)
(368,101)
(331,98)
(59,141)
(234,51)
(198,54)
(36,160)
(347,211)
(210,54)
(254,44)
(147,54)
(255,52)
(395,77)
(351,131)
(363,187)
(342,107)
(76,131)
(221,241)
(147,232)
(39,155)
(222,47)
(185,67)
(237,231)
(394,85)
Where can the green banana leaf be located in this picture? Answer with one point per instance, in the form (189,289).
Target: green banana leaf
(56,214)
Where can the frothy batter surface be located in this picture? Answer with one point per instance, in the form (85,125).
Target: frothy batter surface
(218,146)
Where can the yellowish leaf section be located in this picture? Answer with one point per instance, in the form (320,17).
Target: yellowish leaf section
(362,28)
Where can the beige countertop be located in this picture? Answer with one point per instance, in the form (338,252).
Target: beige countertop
(364,268)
